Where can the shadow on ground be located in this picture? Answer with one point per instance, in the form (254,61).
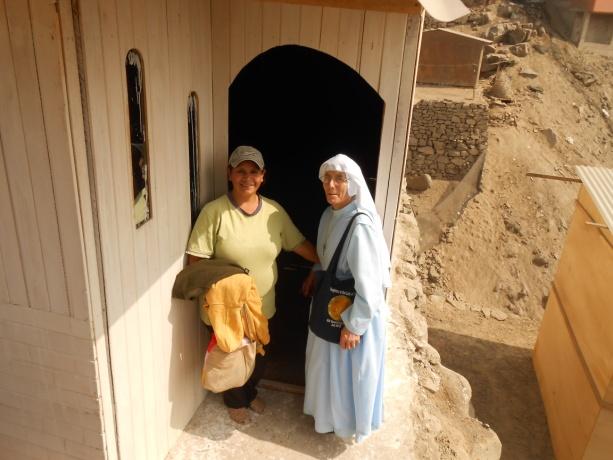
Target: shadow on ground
(505,391)
(283,431)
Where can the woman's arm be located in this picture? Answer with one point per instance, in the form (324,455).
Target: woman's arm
(307,251)
(367,272)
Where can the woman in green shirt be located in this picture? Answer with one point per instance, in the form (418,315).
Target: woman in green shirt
(250,230)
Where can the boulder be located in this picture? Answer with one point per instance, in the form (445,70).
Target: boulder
(499,315)
(527,72)
(496,33)
(587,78)
(504,10)
(540,261)
(480,19)
(488,49)
(494,60)
(516,35)
(520,50)
(419,183)
(540,48)
(536,88)
(458,390)
(501,88)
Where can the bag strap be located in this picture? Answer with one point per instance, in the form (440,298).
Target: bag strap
(337,253)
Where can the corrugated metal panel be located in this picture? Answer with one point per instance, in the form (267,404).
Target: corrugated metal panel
(599,183)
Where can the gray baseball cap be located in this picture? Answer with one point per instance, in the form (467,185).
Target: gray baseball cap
(246,153)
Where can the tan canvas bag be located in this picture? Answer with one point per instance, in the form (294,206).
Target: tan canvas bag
(222,371)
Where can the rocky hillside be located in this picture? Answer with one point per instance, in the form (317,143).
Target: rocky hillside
(483,283)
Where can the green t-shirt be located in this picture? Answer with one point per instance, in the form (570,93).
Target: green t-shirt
(223,230)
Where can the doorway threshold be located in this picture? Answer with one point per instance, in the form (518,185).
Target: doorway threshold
(275,385)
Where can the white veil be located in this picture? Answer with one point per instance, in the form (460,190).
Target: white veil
(357,188)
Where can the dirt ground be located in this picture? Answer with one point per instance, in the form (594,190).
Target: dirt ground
(500,255)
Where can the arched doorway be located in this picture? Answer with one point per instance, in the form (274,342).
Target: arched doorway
(300,106)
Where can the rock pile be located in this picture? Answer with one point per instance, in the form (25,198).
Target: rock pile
(446,138)
(439,427)
(509,39)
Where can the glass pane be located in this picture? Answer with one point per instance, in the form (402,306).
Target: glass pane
(138,138)
(192,136)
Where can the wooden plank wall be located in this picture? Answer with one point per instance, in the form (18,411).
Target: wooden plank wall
(49,378)
(573,353)
(583,281)
(155,342)
(570,403)
(449,59)
(154,345)
(381,47)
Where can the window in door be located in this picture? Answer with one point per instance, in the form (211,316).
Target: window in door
(194,153)
(138,138)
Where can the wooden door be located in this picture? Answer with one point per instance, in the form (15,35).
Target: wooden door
(156,342)
(299,107)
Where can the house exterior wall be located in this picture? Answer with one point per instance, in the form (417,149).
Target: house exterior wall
(594,6)
(97,360)
(564,18)
(381,47)
(449,59)
(600,29)
(588,24)
(52,370)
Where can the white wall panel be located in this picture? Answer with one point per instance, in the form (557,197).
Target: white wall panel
(380,46)
(155,346)
(36,148)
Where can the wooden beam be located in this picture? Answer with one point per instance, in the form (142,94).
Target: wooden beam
(395,6)
(548,176)
(281,386)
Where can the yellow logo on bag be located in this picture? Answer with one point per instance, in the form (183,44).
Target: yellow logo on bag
(337,305)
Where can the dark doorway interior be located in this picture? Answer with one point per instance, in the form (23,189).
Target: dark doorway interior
(299,107)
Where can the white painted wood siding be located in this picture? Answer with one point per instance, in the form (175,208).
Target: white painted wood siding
(41,258)
(155,341)
(50,382)
(381,47)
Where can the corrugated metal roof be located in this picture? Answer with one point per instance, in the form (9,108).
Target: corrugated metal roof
(599,183)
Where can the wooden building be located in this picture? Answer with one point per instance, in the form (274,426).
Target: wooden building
(587,23)
(573,355)
(116,125)
(450,58)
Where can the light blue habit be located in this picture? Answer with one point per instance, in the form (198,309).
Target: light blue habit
(344,388)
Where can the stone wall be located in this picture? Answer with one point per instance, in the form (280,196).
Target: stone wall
(446,138)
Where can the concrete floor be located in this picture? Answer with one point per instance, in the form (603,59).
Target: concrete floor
(284,432)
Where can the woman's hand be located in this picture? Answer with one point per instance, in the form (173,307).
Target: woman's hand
(308,285)
(349,340)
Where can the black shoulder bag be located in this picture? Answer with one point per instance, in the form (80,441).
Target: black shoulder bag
(332,297)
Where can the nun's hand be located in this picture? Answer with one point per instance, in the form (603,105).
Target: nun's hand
(349,340)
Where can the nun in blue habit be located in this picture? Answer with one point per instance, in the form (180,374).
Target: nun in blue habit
(344,381)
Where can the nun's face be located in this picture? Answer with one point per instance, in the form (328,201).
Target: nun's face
(336,188)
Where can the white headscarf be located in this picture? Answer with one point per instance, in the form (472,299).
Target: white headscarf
(356,187)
